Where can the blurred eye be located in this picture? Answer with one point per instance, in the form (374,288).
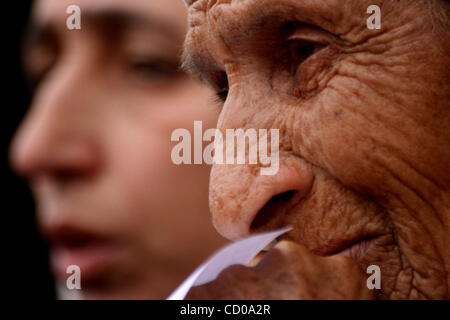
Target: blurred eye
(41,49)
(153,69)
(37,63)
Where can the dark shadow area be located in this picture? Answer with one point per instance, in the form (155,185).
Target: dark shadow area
(26,258)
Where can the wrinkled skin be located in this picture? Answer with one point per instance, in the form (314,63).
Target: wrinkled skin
(364,144)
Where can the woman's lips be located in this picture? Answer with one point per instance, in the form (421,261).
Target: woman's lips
(93,254)
(92,258)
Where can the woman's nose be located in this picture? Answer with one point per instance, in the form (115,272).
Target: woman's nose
(55,138)
(243,201)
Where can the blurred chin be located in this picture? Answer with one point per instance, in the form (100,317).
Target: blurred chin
(118,293)
(130,285)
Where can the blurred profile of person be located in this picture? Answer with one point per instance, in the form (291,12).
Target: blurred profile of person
(95,147)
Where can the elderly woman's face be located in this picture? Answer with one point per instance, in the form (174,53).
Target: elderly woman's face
(96,146)
(363,118)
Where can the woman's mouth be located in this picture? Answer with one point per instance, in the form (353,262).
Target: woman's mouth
(93,255)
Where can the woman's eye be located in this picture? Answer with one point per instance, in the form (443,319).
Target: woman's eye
(37,64)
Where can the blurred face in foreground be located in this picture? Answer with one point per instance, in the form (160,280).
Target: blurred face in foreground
(364,122)
(96,146)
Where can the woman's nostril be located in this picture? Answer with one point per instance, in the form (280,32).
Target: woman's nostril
(271,215)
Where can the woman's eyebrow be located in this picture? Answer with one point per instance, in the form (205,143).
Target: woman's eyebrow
(36,34)
(128,19)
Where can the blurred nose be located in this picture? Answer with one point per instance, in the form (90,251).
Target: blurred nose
(56,139)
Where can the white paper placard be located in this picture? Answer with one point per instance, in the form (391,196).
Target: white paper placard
(239,252)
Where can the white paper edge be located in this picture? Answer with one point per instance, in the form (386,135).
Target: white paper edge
(239,252)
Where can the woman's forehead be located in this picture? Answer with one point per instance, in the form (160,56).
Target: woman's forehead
(55,10)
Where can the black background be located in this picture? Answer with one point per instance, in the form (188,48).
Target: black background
(25,260)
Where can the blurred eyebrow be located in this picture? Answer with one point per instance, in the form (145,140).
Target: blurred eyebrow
(112,20)
(121,18)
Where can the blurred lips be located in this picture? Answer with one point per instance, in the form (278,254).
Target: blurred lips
(92,253)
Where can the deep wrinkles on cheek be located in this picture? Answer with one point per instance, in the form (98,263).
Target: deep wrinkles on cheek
(307,141)
(383,124)
(429,254)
